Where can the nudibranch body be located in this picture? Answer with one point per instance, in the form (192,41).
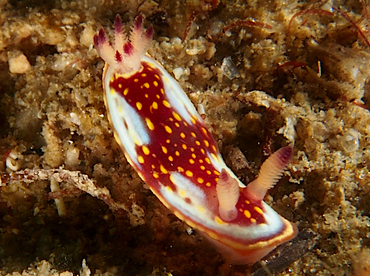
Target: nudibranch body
(167,142)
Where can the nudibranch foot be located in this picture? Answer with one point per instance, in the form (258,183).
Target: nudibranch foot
(166,141)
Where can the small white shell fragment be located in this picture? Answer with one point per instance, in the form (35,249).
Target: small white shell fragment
(36,211)
(18,63)
(72,157)
(350,140)
(62,62)
(59,202)
(201,110)
(215,28)
(196,47)
(288,130)
(177,72)
(14,160)
(190,231)
(87,35)
(85,269)
(229,69)
(75,118)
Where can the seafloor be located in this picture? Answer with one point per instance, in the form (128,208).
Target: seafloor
(266,74)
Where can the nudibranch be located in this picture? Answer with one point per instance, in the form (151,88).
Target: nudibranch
(166,141)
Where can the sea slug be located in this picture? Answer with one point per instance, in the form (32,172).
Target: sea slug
(167,142)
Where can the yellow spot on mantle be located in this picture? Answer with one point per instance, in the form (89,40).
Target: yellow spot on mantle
(176,116)
(139,105)
(125,92)
(258,210)
(247,214)
(146,85)
(146,150)
(140,159)
(166,104)
(168,129)
(149,124)
(189,173)
(164,149)
(163,169)
(155,105)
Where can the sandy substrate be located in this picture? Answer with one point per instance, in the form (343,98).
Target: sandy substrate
(267,75)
